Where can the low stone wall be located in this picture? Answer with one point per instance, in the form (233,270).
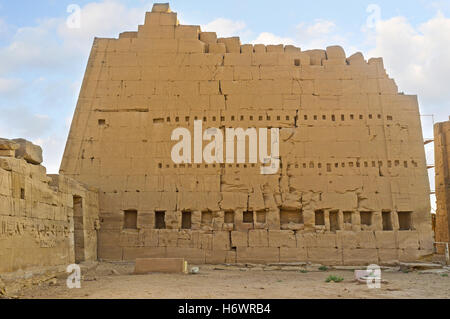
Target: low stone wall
(37,226)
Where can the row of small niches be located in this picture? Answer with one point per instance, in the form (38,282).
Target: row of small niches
(278,118)
(328,166)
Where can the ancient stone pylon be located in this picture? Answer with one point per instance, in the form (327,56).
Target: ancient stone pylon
(352,187)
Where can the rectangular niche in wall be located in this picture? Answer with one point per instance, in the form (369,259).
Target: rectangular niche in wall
(366,220)
(247,217)
(288,216)
(405,220)
(160,220)
(229,217)
(319,217)
(78,218)
(207,217)
(261,216)
(186,220)
(387,220)
(348,217)
(334,220)
(130,219)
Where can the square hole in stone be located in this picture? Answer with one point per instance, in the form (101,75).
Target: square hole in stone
(247,217)
(405,220)
(334,220)
(387,221)
(186,220)
(319,216)
(291,216)
(160,220)
(366,218)
(348,217)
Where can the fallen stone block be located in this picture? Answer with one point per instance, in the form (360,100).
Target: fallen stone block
(28,151)
(165,265)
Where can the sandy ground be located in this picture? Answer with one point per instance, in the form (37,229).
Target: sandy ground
(107,280)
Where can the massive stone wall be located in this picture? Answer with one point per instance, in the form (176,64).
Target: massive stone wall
(352,186)
(442,169)
(37,225)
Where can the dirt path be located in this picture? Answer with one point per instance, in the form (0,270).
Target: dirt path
(116,281)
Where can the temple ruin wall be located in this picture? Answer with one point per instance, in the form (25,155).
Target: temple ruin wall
(39,225)
(352,187)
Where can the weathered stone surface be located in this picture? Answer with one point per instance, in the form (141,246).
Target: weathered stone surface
(442,182)
(45,220)
(167,265)
(28,151)
(352,186)
(6,144)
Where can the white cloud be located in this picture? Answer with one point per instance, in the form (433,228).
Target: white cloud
(318,35)
(52,45)
(226,28)
(102,19)
(270,38)
(20,121)
(319,28)
(46,62)
(417,57)
(10,86)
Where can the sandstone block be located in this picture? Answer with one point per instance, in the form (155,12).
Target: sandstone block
(8,153)
(388,256)
(257,255)
(161,7)
(282,238)
(360,256)
(293,254)
(221,240)
(187,32)
(239,239)
(165,265)
(28,151)
(232,44)
(6,144)
(191,255)
(327,256)
(356,59)
(408,239)
(335,52)
(217,48)
(258,238)
(208,37)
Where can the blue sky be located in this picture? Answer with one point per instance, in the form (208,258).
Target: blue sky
(42,61)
